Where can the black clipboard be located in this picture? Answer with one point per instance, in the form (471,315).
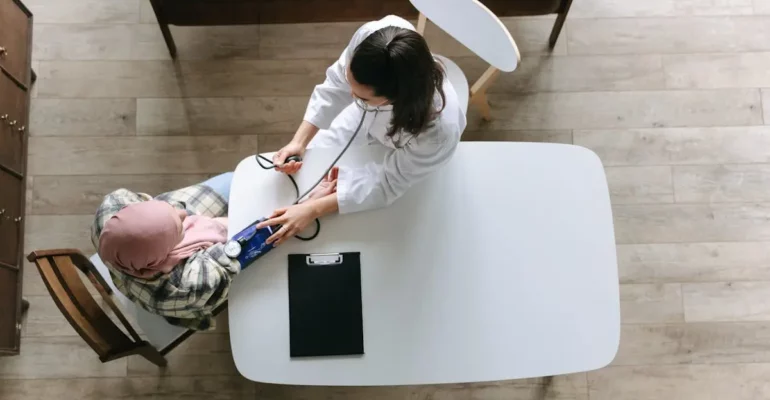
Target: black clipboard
(325,309)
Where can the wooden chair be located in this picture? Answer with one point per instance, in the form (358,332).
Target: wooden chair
(59,270)
(477,28)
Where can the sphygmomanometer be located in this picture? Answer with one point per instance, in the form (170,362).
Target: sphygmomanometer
(250,243)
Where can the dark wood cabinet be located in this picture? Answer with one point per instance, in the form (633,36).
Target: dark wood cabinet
(15,84)
(15,31)
(244,12)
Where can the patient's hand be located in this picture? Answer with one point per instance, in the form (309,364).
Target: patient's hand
(327,186)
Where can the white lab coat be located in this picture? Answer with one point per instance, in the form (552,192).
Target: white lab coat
(331,109)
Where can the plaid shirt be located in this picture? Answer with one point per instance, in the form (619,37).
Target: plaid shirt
(190,293)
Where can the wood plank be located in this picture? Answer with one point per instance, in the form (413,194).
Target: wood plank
(28,193)
(138,155)
(163,117)
(84,11)
(675,146)
(563,387)
(146,13)
(143,42)
(155,388)
(707,71)
(54,232)
(651,303)
(33,284)
(58,357)
(43,319)
(573,74)
(693,262)
(220,116)
(607,110)
(196,42)
(252,77)
(694,343)
(271,143)
(83,41)
(730,34)
(547,136)
(722,183)
(640,185)
(305,41)
(762,7)
(726,301)
(59,195)
(82,117)
(105,79)
(58,232)
(683,223)
(118,79)
(658,8)
(209,354)
(36,68)
(658,382)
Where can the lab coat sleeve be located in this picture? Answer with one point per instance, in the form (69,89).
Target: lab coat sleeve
(333,95)
(378,185)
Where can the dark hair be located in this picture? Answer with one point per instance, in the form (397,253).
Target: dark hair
(398,65)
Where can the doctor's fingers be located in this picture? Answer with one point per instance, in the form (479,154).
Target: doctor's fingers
(276,237)
(286,232)
(279,157)
(290,233)
(277,221)
(274,220)
(294,166)
(289,168)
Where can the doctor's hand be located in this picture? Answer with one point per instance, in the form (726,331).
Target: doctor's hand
(292,220)
(291,149)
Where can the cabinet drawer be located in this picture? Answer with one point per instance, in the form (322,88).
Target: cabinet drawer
(11,191)
(13,123)
(9,308)
(15,27)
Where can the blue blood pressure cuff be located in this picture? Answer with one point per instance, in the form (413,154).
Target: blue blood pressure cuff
(249,244)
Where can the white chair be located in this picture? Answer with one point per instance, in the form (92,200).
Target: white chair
(477,28)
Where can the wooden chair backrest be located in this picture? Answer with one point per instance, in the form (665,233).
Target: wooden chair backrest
(59,270)
(475,26)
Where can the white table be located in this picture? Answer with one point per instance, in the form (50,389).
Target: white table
(500,266)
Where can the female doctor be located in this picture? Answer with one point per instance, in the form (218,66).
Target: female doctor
(387,76)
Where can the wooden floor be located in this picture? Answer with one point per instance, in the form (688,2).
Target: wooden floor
(674,96)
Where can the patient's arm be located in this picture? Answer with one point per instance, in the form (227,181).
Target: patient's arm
(325,205)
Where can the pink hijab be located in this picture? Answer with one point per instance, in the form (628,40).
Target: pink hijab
(152,237)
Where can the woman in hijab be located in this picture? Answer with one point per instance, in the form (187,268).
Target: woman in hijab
(167,253)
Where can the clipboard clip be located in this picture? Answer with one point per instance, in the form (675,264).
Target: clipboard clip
(323,259)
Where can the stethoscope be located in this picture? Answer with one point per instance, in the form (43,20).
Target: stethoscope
(363,106)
